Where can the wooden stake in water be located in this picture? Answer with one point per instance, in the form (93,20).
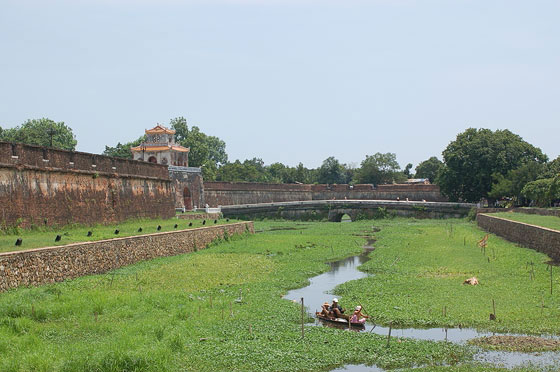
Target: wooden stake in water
(389,335)
(550,279)
(302,319)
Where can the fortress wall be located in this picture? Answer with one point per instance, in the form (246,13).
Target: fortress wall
(42,186)
(237,193)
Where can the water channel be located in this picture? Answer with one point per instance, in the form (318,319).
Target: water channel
(320,290)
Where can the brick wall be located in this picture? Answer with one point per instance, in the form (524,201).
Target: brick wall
(538,238)
(236,193)
(41,186)
(54,264)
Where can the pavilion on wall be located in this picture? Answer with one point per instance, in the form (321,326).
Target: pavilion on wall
(160,148)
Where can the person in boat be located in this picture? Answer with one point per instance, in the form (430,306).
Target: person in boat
(357,316)
(325,311)
(337,310)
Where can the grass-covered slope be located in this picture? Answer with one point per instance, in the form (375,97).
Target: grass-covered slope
(418,268)
(45,237)
(550,222)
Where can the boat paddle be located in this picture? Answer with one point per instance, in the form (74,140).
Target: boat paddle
(369,317)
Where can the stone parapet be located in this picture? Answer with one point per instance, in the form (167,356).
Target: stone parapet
(200,216)
(54,264)
(536,237)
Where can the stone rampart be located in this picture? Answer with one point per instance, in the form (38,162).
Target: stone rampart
(43,158)
(236,193)
(54,264)
(536,237)
(41,186)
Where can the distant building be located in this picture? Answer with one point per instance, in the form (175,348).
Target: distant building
(160,148)
(418,181)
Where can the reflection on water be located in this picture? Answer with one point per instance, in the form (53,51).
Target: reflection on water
(320,290)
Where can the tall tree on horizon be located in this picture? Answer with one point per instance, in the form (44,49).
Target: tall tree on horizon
(478,155)
(42,132)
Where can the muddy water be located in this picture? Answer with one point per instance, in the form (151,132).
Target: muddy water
(320,290)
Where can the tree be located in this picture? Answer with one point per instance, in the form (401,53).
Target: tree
(123,150)
(203,148)
(543,191)
(331,172)
(407,169)
(551,169)
(510,186)
(429,169)
(249,171)
(379,169)
(302,174)
(42,132)
(179,124)
(476,155)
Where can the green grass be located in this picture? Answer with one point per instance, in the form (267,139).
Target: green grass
(180,313)
(45,237)
(418,269)
(551,222)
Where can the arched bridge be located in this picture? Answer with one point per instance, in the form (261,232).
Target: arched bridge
(333,210)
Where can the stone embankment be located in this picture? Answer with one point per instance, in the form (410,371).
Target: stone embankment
(200,216)
(54,264)
(526,210)
(536,237)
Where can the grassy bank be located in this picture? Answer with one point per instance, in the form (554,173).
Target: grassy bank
(45,237)
(551,222)
(220,309)
(418,269)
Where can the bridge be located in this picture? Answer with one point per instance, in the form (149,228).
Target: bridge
(333,210)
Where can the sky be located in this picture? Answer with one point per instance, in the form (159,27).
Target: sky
(286,81)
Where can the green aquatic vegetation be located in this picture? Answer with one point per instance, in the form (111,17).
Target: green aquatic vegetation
(418,271)
(550,222)
(218,309)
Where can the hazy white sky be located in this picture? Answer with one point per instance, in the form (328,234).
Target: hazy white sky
(286,81)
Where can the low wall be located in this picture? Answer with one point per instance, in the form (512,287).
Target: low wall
(236,193)
(54,264)
(200,216)
(333,210)
(538,238)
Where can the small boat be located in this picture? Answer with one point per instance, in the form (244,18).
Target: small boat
(339,321)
